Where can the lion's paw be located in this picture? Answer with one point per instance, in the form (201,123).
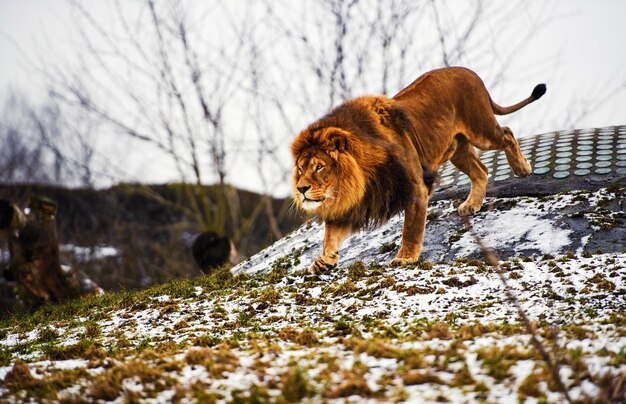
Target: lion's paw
(524,170)
(521,167)
(323,264)
(402,262)
(468,208)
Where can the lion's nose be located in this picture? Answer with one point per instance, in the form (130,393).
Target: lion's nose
(304,189)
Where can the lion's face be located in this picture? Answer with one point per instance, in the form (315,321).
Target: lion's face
(315,180)
(327,180)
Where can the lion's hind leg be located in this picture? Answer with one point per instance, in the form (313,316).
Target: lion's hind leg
(466,160)
(501,138)
(519,164)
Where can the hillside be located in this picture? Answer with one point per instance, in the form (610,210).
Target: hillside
(439,331)
(133,235)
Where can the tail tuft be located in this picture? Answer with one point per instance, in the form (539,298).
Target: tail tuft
(538,91)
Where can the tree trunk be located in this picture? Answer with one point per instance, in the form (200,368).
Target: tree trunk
(34,254)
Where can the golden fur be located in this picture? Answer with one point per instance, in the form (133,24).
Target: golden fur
(373,157)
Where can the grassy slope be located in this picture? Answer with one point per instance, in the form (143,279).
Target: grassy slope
(434,332)
(363,332)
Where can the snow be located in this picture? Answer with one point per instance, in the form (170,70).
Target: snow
(517,228)
(15,339)
(587,387)
(67,364)
(3,372)
(90,253)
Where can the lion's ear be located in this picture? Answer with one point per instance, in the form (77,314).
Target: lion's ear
(337,141)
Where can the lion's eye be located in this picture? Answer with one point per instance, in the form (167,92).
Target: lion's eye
(299,170)
(319,167)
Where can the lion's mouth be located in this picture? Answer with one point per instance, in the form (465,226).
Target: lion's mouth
(311,204)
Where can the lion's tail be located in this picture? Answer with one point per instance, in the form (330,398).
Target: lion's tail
(538,91)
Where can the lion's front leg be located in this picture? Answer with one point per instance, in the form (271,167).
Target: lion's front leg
(334,235)
(412,232)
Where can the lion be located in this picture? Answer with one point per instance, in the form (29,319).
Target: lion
(373,157)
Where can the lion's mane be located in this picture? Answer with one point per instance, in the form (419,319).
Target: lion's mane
(374,178)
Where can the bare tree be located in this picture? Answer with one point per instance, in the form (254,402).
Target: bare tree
(154,87)
(21,159)
(41,146)
(208,88)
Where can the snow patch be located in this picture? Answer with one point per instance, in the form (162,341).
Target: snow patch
(515,229)
(90,253)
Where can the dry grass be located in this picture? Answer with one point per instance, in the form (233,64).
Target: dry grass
(352,383)
(412,377)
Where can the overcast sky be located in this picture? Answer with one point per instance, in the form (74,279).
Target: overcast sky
(585,49)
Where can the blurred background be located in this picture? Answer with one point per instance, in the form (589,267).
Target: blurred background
(100,101)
